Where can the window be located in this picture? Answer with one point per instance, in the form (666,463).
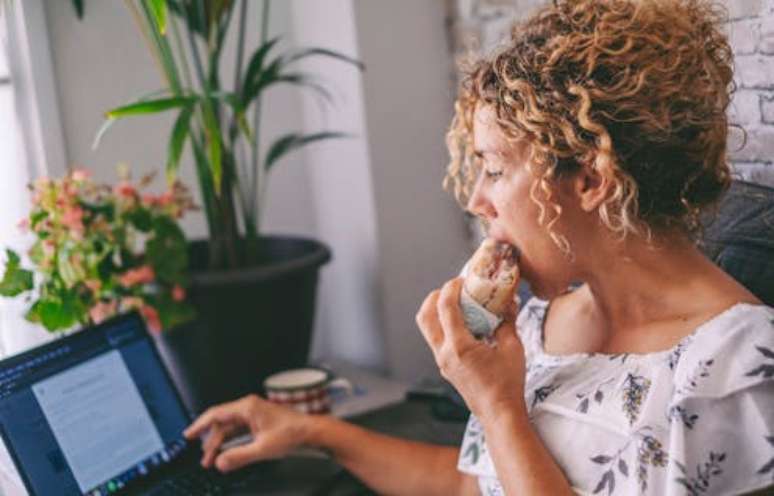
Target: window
(27,148)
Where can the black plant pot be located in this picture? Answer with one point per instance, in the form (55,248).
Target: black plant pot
(251,322)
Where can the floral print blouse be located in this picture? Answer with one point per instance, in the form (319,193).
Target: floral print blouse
(697,419)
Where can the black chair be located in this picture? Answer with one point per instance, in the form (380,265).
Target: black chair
(739,237)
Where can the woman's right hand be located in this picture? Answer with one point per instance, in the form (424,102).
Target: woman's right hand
(276,430)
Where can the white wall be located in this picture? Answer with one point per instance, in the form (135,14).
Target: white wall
(395,184)
(350,304)
(408,102)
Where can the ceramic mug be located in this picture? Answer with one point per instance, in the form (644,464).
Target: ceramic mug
(306,389)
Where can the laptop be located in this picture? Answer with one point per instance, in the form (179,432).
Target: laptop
(95,413)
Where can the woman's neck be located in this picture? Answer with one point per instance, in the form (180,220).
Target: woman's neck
(632,284)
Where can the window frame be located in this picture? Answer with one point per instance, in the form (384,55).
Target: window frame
(32,77)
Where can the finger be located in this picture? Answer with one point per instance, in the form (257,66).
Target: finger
(512,311)
(450,314)
(227,412)
(211,445)
(427,320)
(238,457)
(507,336)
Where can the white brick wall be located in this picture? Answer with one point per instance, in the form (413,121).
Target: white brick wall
(481,24)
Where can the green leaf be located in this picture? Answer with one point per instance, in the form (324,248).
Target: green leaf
(190,14)
(105,209)
(141,219)
(167,251)
(171,312)
(36,217)
(110,120)
(255,66)
(36,252)
(150,106)
(292,141)
(239,111)
(159,10)
(78,6)
(177,141)
(69,273)
(15,280)
(264,78)
(326,53)
(57,313)
(214,145)
(307,80)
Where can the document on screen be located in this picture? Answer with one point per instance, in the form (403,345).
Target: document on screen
(98,418)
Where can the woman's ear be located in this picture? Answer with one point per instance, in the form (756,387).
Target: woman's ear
(591,188)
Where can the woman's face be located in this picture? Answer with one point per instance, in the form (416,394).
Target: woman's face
(501,197)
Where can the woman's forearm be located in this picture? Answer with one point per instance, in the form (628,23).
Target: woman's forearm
(387,464)
(524,465)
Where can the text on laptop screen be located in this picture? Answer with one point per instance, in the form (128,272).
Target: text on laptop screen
(89,413)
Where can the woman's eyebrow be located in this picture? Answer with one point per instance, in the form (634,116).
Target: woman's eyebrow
(478,152)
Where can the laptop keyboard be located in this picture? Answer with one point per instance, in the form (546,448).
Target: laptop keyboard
(194,483)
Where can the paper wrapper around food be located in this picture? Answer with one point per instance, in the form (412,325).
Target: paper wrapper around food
(480,321)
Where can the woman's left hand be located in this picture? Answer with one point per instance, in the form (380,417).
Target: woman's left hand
(490,378)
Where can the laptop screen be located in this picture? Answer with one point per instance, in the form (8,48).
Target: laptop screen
(88,413)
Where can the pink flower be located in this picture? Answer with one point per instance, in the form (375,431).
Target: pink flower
(73,218)
(80,175)
(178,293)
(24,224)
(68,192)
(140,275)
(148,200)
(151,318)
(102,311)
(166,198)
(125,189)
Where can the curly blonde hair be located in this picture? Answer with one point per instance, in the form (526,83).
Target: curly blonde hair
(636,89)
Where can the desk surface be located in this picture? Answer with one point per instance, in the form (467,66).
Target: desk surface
(411,419)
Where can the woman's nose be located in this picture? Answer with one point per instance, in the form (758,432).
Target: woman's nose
(478,203)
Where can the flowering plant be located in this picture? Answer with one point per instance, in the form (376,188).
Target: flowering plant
(101,250)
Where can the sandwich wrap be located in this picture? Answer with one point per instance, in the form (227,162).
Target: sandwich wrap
(489,287)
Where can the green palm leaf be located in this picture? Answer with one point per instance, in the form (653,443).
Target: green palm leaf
(159,10)
(292,141)
(109,122)
(214,145)
(177,141)
(149,106)
(326,53)
(78,5)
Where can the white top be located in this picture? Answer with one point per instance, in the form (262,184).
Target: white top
(697,419)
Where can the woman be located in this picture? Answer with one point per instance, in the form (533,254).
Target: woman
(590,142)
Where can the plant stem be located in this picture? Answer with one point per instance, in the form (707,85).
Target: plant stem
(181,52)
(146,36)
(164,50)
(238,87)
(197,61)
(257,165)
(240,47)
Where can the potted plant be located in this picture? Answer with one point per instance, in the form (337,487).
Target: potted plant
(100,250)
(254,293)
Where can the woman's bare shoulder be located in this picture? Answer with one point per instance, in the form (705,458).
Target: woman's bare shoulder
(571,325)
